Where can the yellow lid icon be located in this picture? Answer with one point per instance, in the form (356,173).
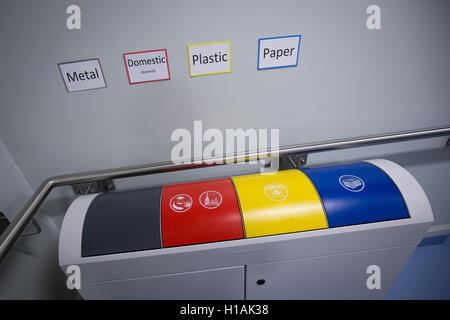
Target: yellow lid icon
(277,203)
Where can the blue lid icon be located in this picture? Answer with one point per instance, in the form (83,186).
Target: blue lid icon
(351,183)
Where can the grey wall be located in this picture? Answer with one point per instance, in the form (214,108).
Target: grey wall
(30,271)
(15,189)
(350,82)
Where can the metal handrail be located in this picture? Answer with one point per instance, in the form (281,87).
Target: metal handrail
(23,217)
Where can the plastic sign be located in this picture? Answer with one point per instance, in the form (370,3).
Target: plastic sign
(209,58)
(82,75)
(278,52)
(147,66)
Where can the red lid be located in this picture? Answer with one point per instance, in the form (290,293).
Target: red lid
(199,212)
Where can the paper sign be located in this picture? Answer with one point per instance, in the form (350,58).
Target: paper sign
(82,75)
(278,52)
(209,58)
(147,66)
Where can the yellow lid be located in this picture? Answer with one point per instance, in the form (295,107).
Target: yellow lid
(281,202)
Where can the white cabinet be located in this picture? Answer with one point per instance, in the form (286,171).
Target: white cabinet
(225,284)
(342,276)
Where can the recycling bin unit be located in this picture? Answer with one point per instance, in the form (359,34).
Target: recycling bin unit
(332,232)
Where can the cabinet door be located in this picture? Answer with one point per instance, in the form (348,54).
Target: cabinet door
(226,284)
(342,276)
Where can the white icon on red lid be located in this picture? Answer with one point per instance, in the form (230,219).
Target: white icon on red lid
(180,203)
(210,199)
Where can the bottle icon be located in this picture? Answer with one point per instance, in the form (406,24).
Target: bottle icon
(210,199)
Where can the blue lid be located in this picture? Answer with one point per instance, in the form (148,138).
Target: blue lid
(357,193)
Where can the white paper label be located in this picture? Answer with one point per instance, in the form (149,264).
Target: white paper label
(209,58)
(82,75)
(278,52)
(147,66)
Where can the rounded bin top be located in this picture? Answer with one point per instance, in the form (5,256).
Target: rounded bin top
(357,193)
(200,212)
(276,203)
